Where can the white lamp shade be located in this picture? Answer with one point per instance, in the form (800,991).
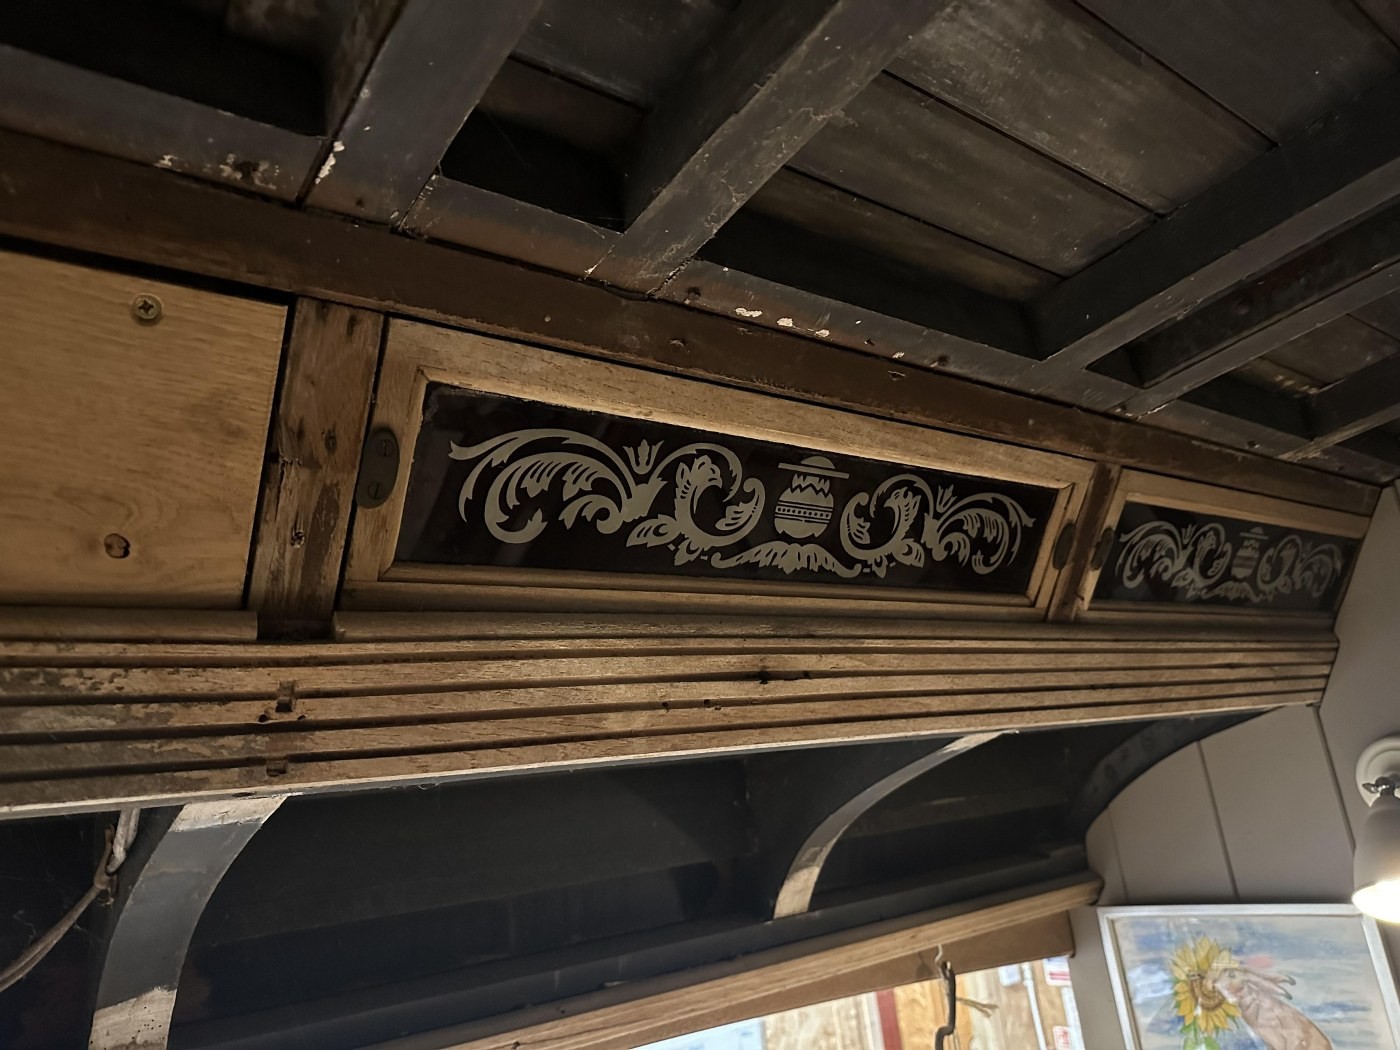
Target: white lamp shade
(1378,861)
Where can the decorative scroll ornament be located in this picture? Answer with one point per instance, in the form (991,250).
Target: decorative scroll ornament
(697,503)
(1200,561)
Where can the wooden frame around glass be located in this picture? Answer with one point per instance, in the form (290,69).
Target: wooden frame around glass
(1138,486)
(416,355)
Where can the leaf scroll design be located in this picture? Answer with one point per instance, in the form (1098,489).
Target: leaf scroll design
(1201,562)
(672,502)
(596,485)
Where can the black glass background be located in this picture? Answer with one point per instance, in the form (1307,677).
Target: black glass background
(1160,588)
(434,532)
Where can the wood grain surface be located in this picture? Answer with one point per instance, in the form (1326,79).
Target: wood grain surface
(134,449)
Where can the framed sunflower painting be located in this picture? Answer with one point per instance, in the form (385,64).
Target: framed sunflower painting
(1250,977)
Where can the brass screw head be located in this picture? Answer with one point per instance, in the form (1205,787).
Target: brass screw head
(146,309)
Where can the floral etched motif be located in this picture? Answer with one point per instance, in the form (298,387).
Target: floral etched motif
(697,503)
(1201,562)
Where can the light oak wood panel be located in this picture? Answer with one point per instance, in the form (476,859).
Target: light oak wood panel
(134,449)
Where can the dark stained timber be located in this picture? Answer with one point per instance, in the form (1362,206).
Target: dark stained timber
(1359,403)
(1347,272)
(779,70)
(1057,78)
(1280,65)
(503,482)
(60,196)
(1163,554)
(1335,172)
(429,74)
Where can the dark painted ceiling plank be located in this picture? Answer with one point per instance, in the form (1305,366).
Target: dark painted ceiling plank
(338,39)
(1336,350)
(574,114)
(1359,403)
(1386,15)
(432,68)
(1349,271)
(1280,65)
(629,49)
(1290,197)
(1061,81)
(799,200)
(60,196)
(777,72)
(1383,313)
(896,145)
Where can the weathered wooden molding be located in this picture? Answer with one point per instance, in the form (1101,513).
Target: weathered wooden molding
(173,869)
(309,481)
(90,726)
(807,800)
(617,1019)
(61,196)
(51,623)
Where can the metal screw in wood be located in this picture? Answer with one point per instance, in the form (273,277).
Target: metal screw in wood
(147,309)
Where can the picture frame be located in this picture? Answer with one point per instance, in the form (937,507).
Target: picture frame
(1241,977)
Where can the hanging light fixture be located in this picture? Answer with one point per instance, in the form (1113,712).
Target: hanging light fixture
(1378,841)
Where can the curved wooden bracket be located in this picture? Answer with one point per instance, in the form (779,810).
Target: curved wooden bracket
(177,860)
(808,799)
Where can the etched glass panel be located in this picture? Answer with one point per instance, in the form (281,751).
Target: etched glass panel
(1162,554)
(498,481)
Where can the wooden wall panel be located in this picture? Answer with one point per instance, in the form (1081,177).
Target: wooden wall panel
(1297,850)
(1169,843)
(133,448)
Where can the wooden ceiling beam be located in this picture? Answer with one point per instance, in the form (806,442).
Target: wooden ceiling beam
(1335,172)
(61,196)
(431,70)
(1342,274)
(779,71)
(45,97)
(1359,403)
(1271,423)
